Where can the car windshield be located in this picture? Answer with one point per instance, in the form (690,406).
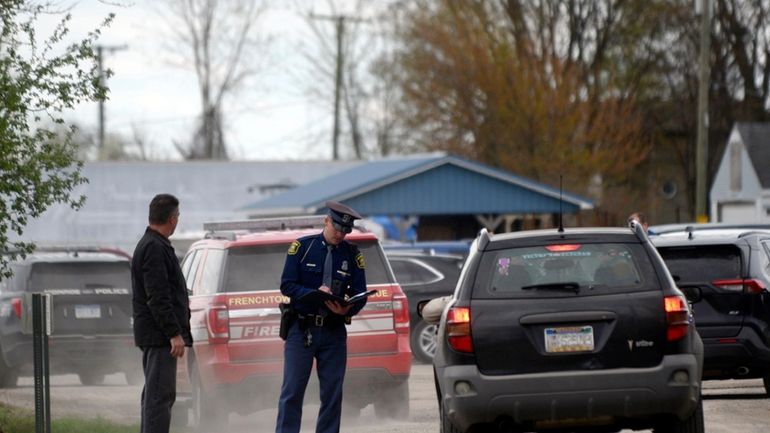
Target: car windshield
(703,263)
(258,268)
(556,270)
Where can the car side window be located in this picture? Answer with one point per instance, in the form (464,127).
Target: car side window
(410,272)
(187,263)
(191,282)
(211,273)
(765,257)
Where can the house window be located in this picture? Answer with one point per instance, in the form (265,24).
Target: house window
(735,166)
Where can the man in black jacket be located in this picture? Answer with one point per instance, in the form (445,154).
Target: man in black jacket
(161,313)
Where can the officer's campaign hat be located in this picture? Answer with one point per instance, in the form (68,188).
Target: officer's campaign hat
(342,216)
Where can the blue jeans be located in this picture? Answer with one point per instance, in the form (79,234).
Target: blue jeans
(329,349)
(159,392)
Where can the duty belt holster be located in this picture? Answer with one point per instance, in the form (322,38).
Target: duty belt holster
(288,316)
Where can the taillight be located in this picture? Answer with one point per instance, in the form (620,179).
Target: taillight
(563,248)
(458,325)
(677,317)
(400,313)
(736,285)
(218,324)
(16,305)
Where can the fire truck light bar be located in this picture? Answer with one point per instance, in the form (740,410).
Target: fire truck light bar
(267,224)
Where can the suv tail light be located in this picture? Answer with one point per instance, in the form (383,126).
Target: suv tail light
(458,323)
(563,248)
(751,286)
(16,305)
(677,317)
(400,313)
(218,324)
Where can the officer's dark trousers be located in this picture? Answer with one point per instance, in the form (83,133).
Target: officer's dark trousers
(159,390)
(329,348)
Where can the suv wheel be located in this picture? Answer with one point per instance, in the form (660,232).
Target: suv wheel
(394,402)
(91,378)
(350,410)
(206,411)
(134,377)
(424,341)
(693,424)
(8,375)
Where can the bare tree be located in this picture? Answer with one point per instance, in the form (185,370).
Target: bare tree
(218,40)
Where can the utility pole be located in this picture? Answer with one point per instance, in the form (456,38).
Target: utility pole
(103,82)
(701,150)
(340,23)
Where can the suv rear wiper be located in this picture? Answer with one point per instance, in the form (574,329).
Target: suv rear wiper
(569,286)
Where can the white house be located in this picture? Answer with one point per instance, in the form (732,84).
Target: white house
(741,189)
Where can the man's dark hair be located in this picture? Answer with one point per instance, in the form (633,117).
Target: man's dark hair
(162,207)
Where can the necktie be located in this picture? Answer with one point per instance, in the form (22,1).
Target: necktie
(327,277)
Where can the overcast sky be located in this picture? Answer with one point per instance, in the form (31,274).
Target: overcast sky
(272,118)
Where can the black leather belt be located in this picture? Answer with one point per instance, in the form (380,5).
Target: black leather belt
(319,320)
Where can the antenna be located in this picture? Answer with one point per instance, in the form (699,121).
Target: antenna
(561,213)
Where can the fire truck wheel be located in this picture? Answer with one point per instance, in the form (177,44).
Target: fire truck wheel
(91,378)
(394,402)
(134,377)
(350,410)
(8,375)
(206,413)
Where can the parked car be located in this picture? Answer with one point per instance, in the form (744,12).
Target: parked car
(575,330)
(454,248)
(726,273)
(424,277)
(90,314)
(236,362)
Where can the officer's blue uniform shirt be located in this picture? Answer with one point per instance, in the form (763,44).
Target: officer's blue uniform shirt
(303,272)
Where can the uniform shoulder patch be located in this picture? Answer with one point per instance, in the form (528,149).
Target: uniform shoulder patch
(360,260)
(293,248)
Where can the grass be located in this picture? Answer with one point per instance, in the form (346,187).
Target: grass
(16,420)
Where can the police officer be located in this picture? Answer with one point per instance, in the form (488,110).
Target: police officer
(328,263)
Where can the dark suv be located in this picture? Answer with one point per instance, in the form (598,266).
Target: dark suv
(580,329)
(90,305)
(424,276)
(725,273)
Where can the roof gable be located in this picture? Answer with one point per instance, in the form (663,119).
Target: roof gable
(756,140)
(425,185)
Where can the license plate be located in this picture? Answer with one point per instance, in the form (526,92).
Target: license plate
(88,312)
(569,339)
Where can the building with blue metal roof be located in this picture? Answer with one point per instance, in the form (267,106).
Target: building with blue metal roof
(452,197)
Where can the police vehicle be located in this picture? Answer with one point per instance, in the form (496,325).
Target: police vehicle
(236,362)
(89,298)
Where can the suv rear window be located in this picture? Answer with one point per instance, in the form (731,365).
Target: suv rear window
(259,267)
(703,263)
(596,268)
(46,276)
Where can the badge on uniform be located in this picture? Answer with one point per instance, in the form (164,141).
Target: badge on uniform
(360,261)
(293,248)
(344,266)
